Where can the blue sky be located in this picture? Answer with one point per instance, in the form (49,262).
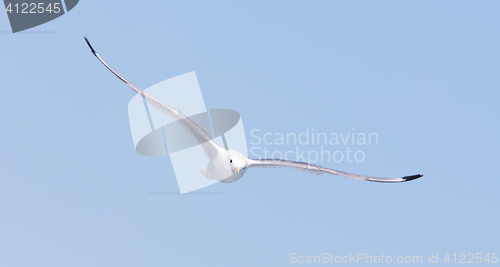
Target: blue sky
(422,75)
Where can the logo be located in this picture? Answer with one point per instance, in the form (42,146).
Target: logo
(25,14)
(155,134)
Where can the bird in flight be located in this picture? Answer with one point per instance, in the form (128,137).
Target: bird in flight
(227,165)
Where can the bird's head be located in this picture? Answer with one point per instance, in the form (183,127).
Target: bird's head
(237,161)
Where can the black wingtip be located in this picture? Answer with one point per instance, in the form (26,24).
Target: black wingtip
(412,177)
(88,43)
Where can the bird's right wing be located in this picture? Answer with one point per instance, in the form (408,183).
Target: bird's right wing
(209,146)
(315,169)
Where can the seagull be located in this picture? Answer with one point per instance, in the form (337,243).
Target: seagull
(227,165)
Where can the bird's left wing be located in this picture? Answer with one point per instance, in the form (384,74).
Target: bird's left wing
(209,146)
(315,169)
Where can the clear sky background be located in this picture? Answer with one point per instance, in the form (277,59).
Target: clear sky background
(422,75)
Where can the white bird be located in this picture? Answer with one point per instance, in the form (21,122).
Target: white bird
(227,165)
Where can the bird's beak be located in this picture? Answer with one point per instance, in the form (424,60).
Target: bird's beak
(237,169)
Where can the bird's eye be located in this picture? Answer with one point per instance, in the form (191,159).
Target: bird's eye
(230,161)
